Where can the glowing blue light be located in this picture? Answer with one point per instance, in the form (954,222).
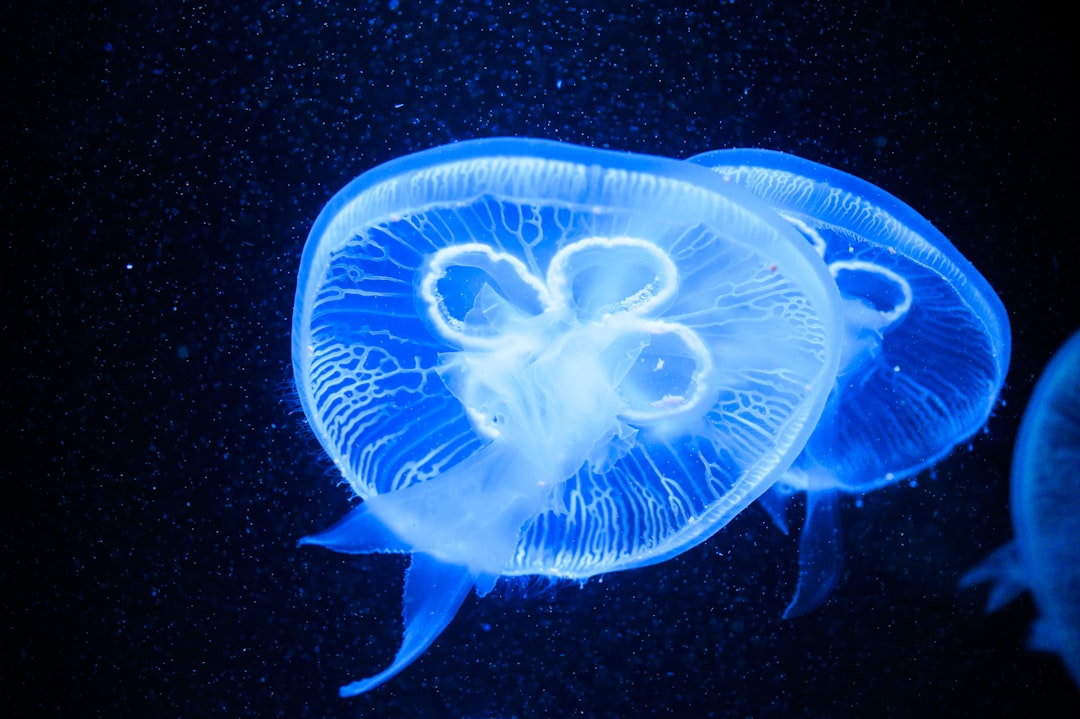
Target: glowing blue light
(1045,502)
(926,343)
(531,358)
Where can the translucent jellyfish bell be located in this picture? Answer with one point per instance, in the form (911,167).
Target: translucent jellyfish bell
(926,342)
(1045,503)
(531,358)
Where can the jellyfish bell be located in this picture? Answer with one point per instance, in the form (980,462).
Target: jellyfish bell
(1044,498)
(530,358)
(926,343)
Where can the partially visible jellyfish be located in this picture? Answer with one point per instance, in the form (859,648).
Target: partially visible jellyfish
(531,358)
(1044,558)
(926,344)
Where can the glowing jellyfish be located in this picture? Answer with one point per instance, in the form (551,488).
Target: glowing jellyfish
(926,343)
(531,358)
(1044,558)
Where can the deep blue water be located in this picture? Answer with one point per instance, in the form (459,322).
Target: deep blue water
(161,170)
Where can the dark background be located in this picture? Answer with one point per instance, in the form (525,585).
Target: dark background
(161,168)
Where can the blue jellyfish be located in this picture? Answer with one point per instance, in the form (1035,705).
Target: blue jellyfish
(531,358)
(926,344)
(1045,501)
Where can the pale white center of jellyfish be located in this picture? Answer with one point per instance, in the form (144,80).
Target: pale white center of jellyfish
(563,363)
(875,299)
(878,288)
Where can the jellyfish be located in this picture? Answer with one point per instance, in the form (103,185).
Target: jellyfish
(528,358)
(925,350)
(1044,557)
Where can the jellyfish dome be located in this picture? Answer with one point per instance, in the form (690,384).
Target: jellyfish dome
(532,358)
(926,340)
(1044,558)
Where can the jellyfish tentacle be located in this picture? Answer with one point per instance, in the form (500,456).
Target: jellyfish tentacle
(359,532)
(821,556)
(775,504)
(1005,568)
(434,591)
